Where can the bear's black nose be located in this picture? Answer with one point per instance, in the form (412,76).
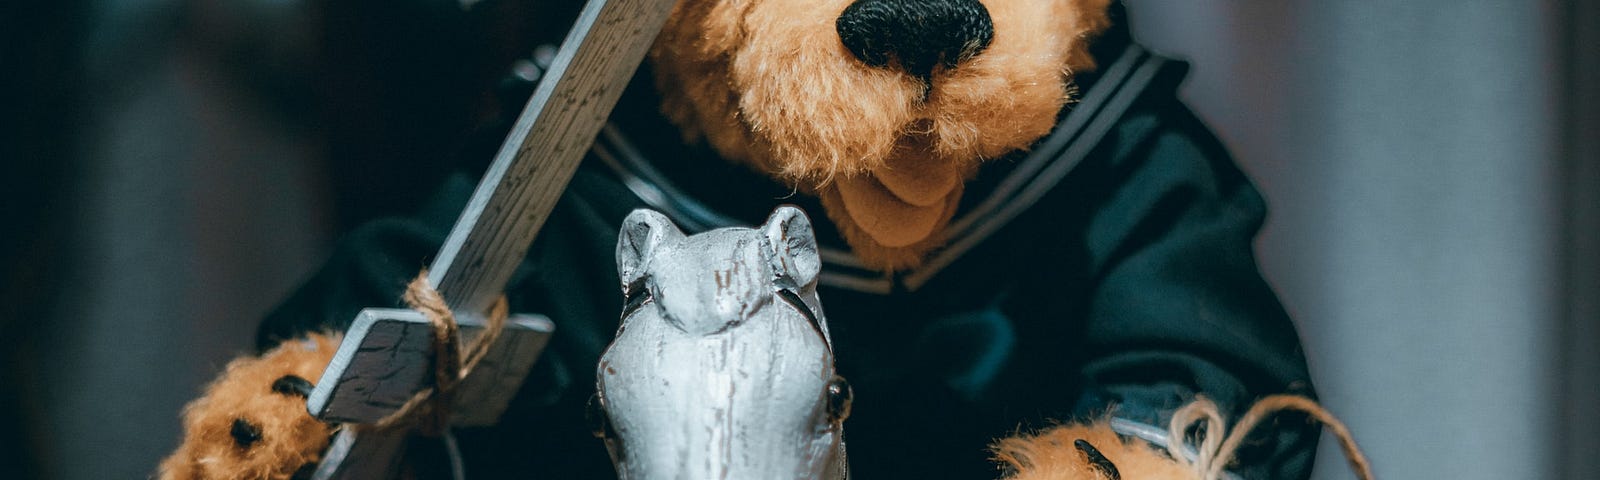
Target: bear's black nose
(918,34)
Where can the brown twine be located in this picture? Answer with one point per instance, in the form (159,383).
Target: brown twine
(429,409)
(1215,451)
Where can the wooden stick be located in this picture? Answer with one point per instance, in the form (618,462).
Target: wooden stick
(538,158)
(490,239)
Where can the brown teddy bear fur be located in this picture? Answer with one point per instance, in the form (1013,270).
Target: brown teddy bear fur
(286,438)
(1094,451)
(1053,455)
(770,84)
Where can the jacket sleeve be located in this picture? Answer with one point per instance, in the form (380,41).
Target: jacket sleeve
(1179,307)
(369,267)
(567,276)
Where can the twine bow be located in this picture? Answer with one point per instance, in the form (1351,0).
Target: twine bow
(1218,446)
(429,409)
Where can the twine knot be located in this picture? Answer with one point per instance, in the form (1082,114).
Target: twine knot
(1218,446)
(428,411)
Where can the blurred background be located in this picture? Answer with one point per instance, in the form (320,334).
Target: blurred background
(1433,169)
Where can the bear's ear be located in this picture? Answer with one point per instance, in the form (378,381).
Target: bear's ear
(794,246)
(641,233)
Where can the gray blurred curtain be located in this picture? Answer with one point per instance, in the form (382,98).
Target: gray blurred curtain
(1432,223)
(174,203)
(38,80)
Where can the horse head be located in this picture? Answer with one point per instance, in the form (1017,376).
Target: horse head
(722,367)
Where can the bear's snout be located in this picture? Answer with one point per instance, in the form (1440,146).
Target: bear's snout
(919,35)
(882,109)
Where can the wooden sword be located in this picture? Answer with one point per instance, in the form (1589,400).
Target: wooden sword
(385,357)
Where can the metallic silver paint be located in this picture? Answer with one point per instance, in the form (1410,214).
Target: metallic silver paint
(715,374)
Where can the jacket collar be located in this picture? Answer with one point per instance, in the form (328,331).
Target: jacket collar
(1016,186)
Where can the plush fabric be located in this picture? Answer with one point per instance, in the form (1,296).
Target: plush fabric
(770,84)
(1055,454)
(252,423)
(1132,283)
(1200,442)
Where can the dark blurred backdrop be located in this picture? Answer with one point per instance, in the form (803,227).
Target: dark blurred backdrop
(171,168)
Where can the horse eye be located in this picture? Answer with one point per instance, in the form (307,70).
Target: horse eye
(245,433)
(1098,460)
(839,397)
(595,413)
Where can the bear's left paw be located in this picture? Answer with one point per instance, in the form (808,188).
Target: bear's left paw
(252,422)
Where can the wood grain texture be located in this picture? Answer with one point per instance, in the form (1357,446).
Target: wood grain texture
(386,359)
(486,392)
(382,362)
(550,138)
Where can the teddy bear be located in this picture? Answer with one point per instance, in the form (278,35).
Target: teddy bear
(1019,223)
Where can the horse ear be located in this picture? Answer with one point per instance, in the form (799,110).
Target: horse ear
(641,233)
(794,246)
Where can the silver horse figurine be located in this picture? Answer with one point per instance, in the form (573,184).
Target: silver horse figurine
(722,367)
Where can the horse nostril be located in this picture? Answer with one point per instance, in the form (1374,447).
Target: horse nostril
(918,34)
(599,421)
(245,433)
